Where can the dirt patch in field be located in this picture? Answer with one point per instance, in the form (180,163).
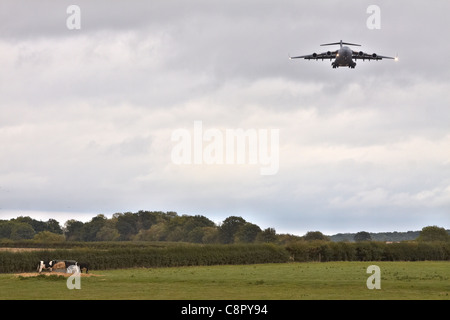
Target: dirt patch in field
(35,274)
(25,249)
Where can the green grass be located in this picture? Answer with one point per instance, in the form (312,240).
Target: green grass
(284,281)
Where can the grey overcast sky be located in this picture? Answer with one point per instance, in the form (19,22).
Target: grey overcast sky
(87,115)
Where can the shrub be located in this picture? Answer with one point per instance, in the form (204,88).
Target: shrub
(47,236)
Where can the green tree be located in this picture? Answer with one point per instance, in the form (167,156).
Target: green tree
(20,231)
(157,232)
(107,233)
(433,233)
(91,228)
(5,229)
(229,227)
(53,226)
(47,236)
(267,235)
(73,230)
(37,226)
(315,235)
(247,233)
(127,225)
(146,219)
(362,236)
(210,235)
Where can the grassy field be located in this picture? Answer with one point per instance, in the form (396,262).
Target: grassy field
(284,281)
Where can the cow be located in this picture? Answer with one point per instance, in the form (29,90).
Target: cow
(70,263)
(55,264)
(63,264)
(45,265)
(83,265)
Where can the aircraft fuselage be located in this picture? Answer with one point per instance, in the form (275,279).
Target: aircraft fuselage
(344,58)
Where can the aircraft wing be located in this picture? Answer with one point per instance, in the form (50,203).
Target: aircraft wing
(317,56)
(367,56)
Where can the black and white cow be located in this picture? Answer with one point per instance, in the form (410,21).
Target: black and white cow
(70,263)
(45,265)
(55,264)
(83,265)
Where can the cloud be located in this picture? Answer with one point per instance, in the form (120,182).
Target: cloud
(88,115)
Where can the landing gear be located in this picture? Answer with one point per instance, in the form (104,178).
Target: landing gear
(335,65)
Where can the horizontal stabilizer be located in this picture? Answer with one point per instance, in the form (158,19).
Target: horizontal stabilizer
(341,43)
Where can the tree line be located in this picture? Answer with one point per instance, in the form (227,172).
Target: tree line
(27,228)
(139,226)
(169,226)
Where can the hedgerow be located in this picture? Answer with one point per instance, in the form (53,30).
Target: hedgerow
(102,256)
(148,257)
(368,251)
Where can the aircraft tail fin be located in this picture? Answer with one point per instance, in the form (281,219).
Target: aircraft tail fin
(341,43)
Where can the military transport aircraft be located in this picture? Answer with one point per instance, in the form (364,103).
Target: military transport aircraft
(344,56)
